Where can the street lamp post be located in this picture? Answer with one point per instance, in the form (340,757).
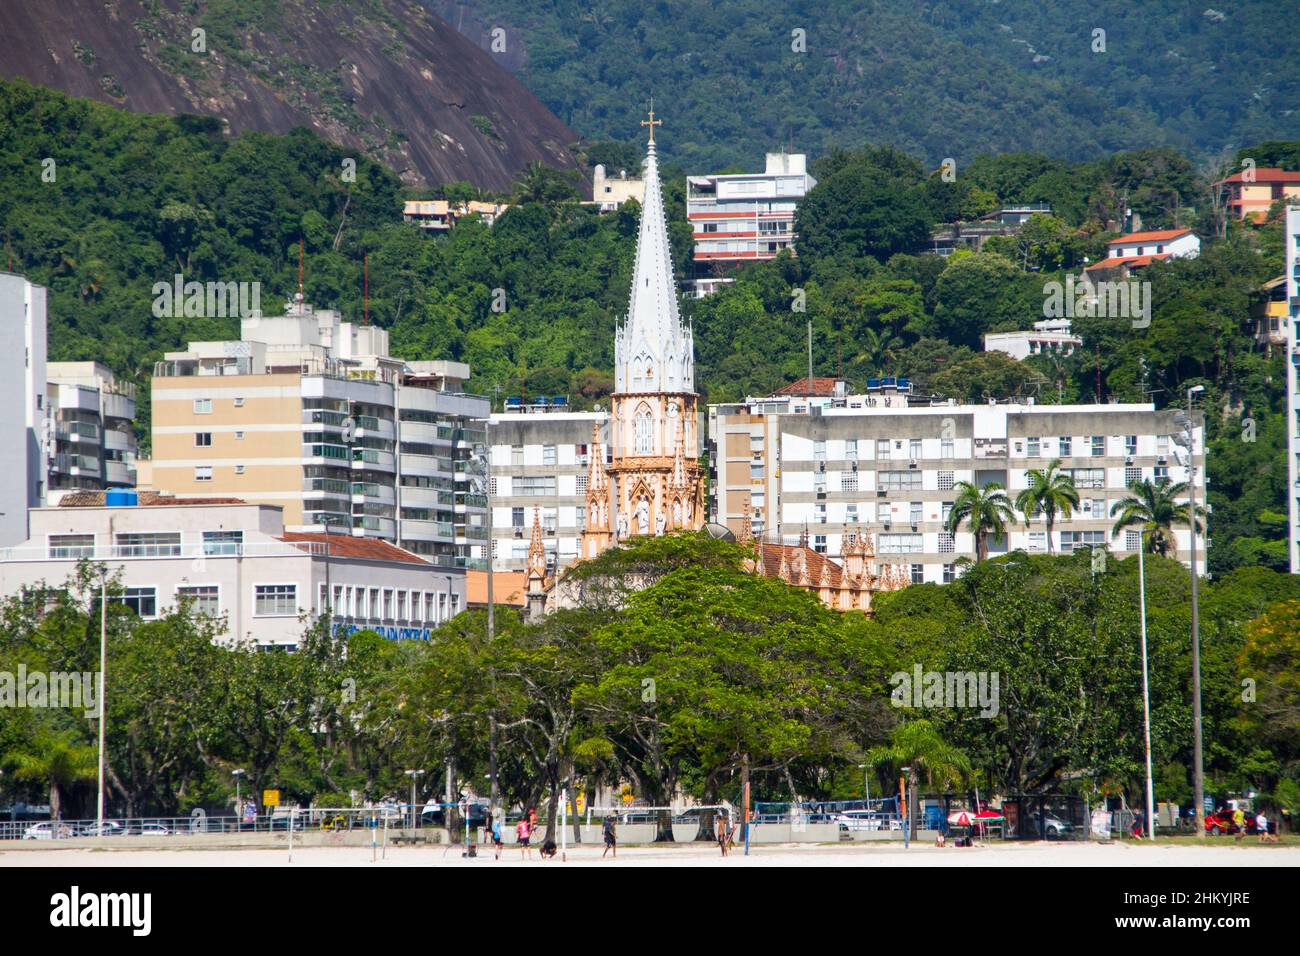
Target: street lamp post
(866,782)
(1198,768)
(414,775)
(482,471)
(1146,692)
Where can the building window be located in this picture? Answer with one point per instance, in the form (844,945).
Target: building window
(851,514)
(1073,540)
(819,543)
(144,601)
(945,511)
(820,513)
(851,450)
(644,432)
(945,448)
(1162,445)
(949,573)
(548,455)
(947,544)
(901,543)
(900,480)
(275,600)
(204,598)
(239,436)
(1087,477)
(516,517)
(492,486)
(1132,476)
(72,545)
(1098,446)
(516,455)
(918,574)
(1038,541)
(946,480)
(848,481)
(202,472)
(239,469)
(222,542)
(1160,473)
(914,449)
(1067,444)
(203,439)
(534,485)
(1132,540)
(239,403)
(882,449)
(819,450)
(148,544)
(202,406)
(580,486)
(915,512)
(1130,445)
(1034,447)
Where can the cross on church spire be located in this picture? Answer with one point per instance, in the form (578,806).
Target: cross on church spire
(652,122)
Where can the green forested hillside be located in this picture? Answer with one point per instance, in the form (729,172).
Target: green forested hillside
(936,78)
(531,303)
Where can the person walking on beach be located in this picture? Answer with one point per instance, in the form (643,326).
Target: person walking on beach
(496,836)
(523,833)
(611,835)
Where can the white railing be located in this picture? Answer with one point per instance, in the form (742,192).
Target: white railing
(268,549)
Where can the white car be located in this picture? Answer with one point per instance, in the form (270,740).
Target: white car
(154,829)
(47,831)
(866,820)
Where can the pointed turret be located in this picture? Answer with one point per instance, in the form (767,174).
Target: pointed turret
(652,350)
(536,574)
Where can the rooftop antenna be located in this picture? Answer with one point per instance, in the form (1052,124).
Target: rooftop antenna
(299,298)
(365,288)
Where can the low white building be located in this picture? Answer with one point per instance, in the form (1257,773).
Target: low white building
(236,562)
(1048,337)
(610,192)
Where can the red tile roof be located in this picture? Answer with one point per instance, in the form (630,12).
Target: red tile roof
(1265,174)
(821,386)
(347,546)
(1158,235)
(772,562)
(1133,262)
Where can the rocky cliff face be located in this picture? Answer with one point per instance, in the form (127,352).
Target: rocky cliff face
(384,76)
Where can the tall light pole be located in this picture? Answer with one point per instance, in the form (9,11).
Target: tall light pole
(414,775)
(866,785)
(1198,767)
(482,471)
(1146,692)
(103,681)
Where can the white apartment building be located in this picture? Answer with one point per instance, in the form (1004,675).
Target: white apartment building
(311,413)
(540,459)
(1292,352)
(90,435)
(1048,337)
(236,563)
(23,398)
(892,471)
(746,217)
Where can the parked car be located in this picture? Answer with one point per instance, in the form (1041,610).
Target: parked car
(1054,828)
(152,829)
(109,828)
(866,820)
(48,831)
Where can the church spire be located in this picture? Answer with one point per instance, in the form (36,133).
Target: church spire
(652,350)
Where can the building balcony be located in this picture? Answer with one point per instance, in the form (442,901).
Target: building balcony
(361,490)
(119,473)
(428,530)
(324,452)
(373,458)
(323,416)
(117,440)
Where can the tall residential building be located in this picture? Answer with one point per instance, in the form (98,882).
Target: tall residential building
(90,438)
(311,413)
(836,467)
(23,398)
(540,460)
(1292,352)
(744,217)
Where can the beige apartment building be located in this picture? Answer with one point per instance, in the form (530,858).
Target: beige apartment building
(312,414)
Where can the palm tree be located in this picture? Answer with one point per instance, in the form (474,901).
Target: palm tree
(918,746)
(1154,505)
(59,761)
(987,510)
(875,351)
(1049,492)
